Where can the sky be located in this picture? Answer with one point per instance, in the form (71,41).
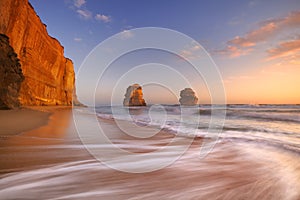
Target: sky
(254,44)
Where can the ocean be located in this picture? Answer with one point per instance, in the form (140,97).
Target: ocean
(255,154)
(267,125)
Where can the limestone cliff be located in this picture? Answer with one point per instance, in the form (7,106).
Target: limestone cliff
(134,96)
(10,75)
(49,76)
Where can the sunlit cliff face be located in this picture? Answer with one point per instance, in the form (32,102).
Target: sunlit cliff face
(134,96)
(49,76)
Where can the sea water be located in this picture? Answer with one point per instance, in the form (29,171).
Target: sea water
(271,125)
(256,155)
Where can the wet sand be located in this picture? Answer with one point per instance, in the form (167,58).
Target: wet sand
(45,144)
(50,162)
(13,122)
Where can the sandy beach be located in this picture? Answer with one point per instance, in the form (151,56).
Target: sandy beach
(49,162)
(14,122)
(149,100)
(36,128)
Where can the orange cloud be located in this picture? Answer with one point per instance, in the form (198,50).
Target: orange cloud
(241,45)
(285,49)
(293,19)
(253,37)
(239,41)
(234,51)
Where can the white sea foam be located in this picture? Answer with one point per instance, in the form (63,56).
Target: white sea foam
(268,173)
(254,159)
(268,124)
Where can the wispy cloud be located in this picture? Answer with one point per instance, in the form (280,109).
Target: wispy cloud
(79,3)
(103,18)
(77,39)
(253,37)
(287,49)
(84,14)
(191,52)
(234,51)
(242,45)
(126,34)
(81,8)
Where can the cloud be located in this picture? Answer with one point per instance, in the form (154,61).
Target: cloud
(79,3)
(77,39)
(103,18)
(126,34)
(268,28)
(240,45)
(292,20)
(191,52)
(253,37)
(80,7)
(287,49)
(85,14)
(234,51)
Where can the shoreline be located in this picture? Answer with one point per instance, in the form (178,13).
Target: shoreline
(18,121)
(27,118)
(32,147)
(54,154)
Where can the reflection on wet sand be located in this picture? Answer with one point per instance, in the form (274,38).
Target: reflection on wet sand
(51,163)
(42,146)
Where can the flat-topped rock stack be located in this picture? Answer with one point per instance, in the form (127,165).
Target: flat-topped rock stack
(188,97)
(134,96)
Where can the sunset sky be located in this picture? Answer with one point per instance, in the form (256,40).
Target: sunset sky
(255,44)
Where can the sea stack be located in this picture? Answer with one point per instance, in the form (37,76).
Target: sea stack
(188,97)
(134,96)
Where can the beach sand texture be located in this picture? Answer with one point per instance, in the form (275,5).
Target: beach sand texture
(49,162)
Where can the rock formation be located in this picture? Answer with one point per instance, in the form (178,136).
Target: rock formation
(49,77)
(10,75)
(134,96)
(187,97)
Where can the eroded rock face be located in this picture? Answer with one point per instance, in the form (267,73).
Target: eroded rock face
(49,76)
(134,96)
(10,75)
(188,97)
